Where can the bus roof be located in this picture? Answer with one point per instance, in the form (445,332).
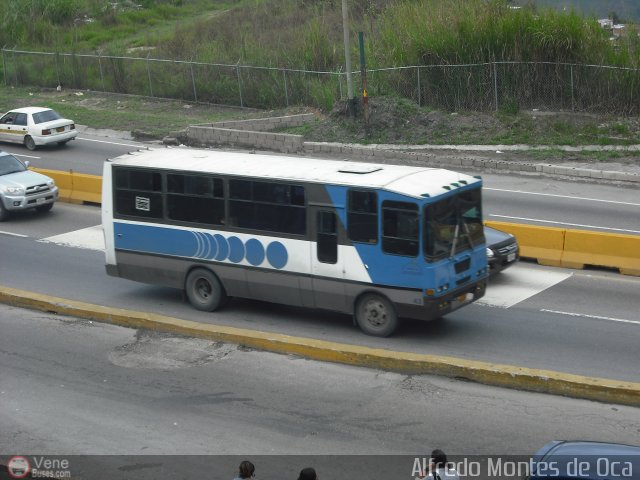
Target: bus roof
(407,180)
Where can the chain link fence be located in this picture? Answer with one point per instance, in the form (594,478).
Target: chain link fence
(508,86)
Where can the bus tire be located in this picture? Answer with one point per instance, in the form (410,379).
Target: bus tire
(29,143)
(204,290)
(375,315)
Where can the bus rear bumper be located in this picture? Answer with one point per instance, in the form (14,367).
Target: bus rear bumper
(434,308)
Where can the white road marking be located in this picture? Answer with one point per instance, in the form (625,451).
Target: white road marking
(27,156)
(596,317)
(565,223)
(111,143)
(14,234)
(91,238)
(562,196)
(519,283)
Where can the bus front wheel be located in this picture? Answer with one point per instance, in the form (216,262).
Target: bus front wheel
(204,290)
(376,316)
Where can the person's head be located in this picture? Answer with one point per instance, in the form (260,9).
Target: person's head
(246,469)
(308,474)
(439,458)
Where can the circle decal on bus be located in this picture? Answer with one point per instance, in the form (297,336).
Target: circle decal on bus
(213,246)
(255,251)
(223,247)
(236,249)
(277,255)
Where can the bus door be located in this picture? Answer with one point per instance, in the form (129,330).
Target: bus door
(327,265)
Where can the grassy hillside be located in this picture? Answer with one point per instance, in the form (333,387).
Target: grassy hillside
(308,33)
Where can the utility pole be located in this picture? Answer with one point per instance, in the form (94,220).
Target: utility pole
(363,75)
(351,102)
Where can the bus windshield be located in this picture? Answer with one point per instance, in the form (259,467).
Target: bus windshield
(453,225)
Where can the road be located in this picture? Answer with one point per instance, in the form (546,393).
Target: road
(72,387)
(582,322)
(530,200)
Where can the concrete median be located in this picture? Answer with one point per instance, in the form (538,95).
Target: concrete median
(545,244)
(75,187)
(509,376)
(86,188)
(603,250)
(64,181)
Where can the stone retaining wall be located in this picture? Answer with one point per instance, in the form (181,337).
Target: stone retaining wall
(252,133)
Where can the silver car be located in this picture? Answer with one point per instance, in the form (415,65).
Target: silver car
(21,189)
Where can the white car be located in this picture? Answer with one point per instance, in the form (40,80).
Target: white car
(36,126)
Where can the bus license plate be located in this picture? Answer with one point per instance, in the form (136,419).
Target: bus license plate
(511,257)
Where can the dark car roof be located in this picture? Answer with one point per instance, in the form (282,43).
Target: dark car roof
(600,460)
(495,236)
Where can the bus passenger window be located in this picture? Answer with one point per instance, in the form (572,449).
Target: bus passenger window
(138,193)
(196,199)
(400,228)
(267,206)
(362,216)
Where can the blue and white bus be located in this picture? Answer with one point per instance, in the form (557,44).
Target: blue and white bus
(375,241)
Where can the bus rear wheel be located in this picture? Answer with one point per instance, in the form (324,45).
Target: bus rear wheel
(204,290)
(376,316)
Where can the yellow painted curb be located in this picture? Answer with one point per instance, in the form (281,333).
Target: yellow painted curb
(545,381)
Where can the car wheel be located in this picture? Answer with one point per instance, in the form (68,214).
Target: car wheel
(3,211)
(44,208)
(376,316)
(29,143)
(204,290)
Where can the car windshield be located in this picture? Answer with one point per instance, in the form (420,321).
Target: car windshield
(46,116)
(10,164)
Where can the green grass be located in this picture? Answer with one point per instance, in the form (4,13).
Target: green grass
(118,112)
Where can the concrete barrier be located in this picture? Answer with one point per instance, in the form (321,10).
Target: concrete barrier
(63,180)
(544,244)
(603,250)
(86,188)
(75,187)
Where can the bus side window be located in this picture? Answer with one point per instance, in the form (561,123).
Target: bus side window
(196,199)
(327,237)
(400,230)
(267,206)
(362,216)
(138,193)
